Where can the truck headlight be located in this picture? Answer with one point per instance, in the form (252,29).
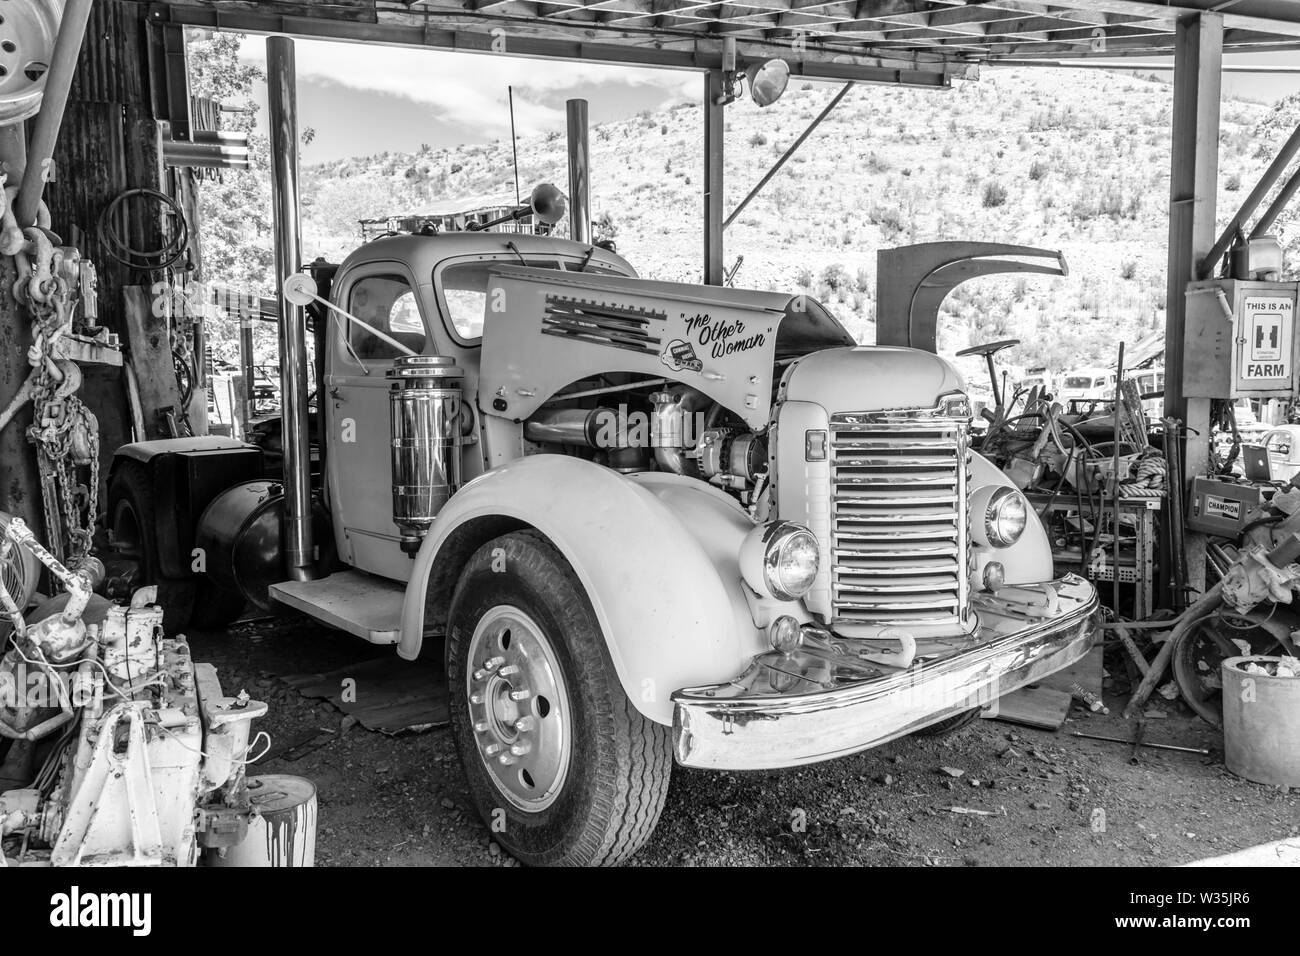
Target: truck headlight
(1005,517)
(780,560)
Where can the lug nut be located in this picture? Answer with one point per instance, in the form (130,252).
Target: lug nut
(476,698)
(492,663)
(481,726)
(522,694)
(521,748)
(492,749)
(509,669)
(505,760)
(524,724)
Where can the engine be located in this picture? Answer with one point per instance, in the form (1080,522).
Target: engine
(676,429)
(123,749)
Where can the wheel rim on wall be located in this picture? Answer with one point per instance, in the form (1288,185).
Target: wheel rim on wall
(27,32)
(519,708)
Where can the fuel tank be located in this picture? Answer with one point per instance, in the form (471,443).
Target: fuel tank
(238,538)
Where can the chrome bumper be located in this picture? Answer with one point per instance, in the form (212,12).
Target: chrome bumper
(825,701)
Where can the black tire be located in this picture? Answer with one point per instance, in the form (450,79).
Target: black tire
(949,725)
(617,774)
(215,607)
(133,521)
(1206,645)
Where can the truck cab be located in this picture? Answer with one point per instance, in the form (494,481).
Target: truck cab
(428,293)
(643,523)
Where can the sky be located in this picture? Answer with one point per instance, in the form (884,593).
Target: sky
(362,99)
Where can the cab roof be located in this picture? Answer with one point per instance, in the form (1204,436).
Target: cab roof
(423,253)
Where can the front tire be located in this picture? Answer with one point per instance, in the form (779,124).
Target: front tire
(563,769)
(949,725)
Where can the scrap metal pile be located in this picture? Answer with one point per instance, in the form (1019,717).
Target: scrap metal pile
(116,748)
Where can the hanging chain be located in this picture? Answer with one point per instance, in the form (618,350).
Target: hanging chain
(64,431)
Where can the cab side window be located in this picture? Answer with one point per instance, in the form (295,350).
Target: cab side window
(387,303)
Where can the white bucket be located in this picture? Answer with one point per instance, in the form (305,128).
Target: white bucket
(1261,722)
(283,830)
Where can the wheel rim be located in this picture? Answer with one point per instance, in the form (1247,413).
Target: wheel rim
(1196,663)
(519,708)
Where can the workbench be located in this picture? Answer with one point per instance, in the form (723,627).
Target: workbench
(1137,563)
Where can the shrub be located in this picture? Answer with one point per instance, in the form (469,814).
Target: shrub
(758,139)
(1037,170)
(1128,269)
(995,194)
(835,277)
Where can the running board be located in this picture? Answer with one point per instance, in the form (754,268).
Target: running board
(367,606)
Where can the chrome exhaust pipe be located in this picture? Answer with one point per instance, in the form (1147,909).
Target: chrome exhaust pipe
(282,107)
(579,172)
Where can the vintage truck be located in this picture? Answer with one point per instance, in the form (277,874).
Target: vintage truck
(643,522)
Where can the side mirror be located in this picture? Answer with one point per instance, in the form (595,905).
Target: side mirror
(547,204)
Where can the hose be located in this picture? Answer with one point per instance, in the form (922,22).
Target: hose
(167,255)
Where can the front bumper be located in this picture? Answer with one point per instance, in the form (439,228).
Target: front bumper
(824,701)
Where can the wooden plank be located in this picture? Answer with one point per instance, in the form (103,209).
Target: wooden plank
(1046,704)
(1036,706)
(151,358)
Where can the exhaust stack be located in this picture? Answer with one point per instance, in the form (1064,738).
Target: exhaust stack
(579,172)
(282,105)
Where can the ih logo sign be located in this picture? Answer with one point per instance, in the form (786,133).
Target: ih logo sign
(1266,340)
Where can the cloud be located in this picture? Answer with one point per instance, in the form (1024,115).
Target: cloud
(469,89)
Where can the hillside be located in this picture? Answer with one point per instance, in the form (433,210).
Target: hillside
(1075,160)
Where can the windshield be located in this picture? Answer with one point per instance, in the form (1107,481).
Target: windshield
(1077,381)
(462,287)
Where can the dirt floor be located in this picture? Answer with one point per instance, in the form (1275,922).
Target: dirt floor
(991,794)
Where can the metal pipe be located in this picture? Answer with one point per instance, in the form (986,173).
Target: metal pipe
(247,372)
(282,109)
(835,101)
(1253,199)
(714,136)
(569,426)
(1280,202)
(579,172)
(58,81)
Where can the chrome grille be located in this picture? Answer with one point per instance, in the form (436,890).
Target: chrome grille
(900,543)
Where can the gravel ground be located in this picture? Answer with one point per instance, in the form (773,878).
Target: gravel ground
(992,794)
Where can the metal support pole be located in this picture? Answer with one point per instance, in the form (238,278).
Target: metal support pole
(58,81)
(1198,57)
(714,214)
(776,167)
(282,109)
(579,172)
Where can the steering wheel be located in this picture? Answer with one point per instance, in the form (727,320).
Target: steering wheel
(989,349)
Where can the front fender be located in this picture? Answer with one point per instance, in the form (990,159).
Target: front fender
(1029,560)
(672,612)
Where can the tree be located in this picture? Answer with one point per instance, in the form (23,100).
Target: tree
(235,230)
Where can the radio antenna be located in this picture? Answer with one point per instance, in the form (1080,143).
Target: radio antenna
(514,145)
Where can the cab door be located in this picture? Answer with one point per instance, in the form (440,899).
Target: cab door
(356,400)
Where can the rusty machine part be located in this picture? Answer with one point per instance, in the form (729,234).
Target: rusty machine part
(424,404)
